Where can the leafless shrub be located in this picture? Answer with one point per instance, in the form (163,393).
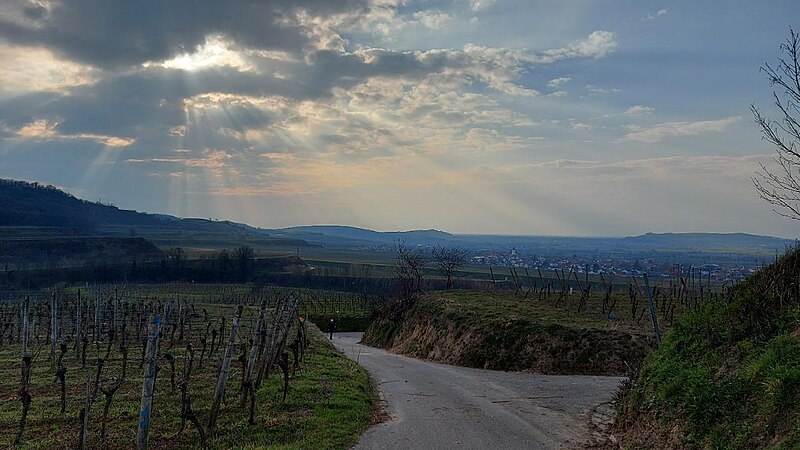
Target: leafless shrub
(448,260)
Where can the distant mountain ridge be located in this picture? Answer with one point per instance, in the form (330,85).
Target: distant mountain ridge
(708,239)
(343,232)
(26,204)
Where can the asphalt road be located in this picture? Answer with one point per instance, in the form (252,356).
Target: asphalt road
(435,406)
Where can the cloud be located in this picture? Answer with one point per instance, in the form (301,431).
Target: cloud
(597,45)
(597,90)
(158,100)
(215,51)
(660,168)
(432,19)
(118,34)
(661,131)
(31,69)
(211,159)
(659,13)
(638,110)
(44,130)
(558,82)
(480,5)
(582,126)
(339,105)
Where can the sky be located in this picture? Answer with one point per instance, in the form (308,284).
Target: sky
(586,118)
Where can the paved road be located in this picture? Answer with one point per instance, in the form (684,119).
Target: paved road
(434,406)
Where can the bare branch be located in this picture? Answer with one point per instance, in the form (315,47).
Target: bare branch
(780,186)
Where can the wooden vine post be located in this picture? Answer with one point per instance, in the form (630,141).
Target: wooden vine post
(257,342)
(24,395)
(96,330)
(149,383)
(61,373)
(53,329)
(652,308)
(225,366)
(78,323)
(84,415)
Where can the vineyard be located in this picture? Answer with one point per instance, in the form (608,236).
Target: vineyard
(625,301)
(178,366)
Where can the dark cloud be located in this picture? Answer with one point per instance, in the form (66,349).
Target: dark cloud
(118,33)
(147,100)
(153,98)
(35,12)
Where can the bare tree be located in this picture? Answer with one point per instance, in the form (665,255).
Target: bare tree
(178,257)
(781,186)
(244,255)
(223,263)
(448,260)
(409,267)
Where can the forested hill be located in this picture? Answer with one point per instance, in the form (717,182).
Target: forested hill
(32,204)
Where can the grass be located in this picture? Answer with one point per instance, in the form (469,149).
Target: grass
(471,306)
(330,402)
(500,330)
(728,375)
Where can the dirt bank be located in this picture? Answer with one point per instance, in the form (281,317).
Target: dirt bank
(460,329)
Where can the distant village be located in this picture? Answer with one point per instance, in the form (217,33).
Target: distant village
(622,267)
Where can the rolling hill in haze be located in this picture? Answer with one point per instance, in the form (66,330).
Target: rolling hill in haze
(30,209)
(676,247)
(327,233)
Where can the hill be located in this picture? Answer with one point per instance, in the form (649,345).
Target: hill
(649,243)
(33,204)
(344,234)
(719,241)
(727,375)
(33,209)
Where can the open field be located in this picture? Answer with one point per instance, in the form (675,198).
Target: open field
(328,403)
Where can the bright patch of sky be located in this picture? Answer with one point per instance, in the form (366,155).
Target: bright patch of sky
(479,116)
